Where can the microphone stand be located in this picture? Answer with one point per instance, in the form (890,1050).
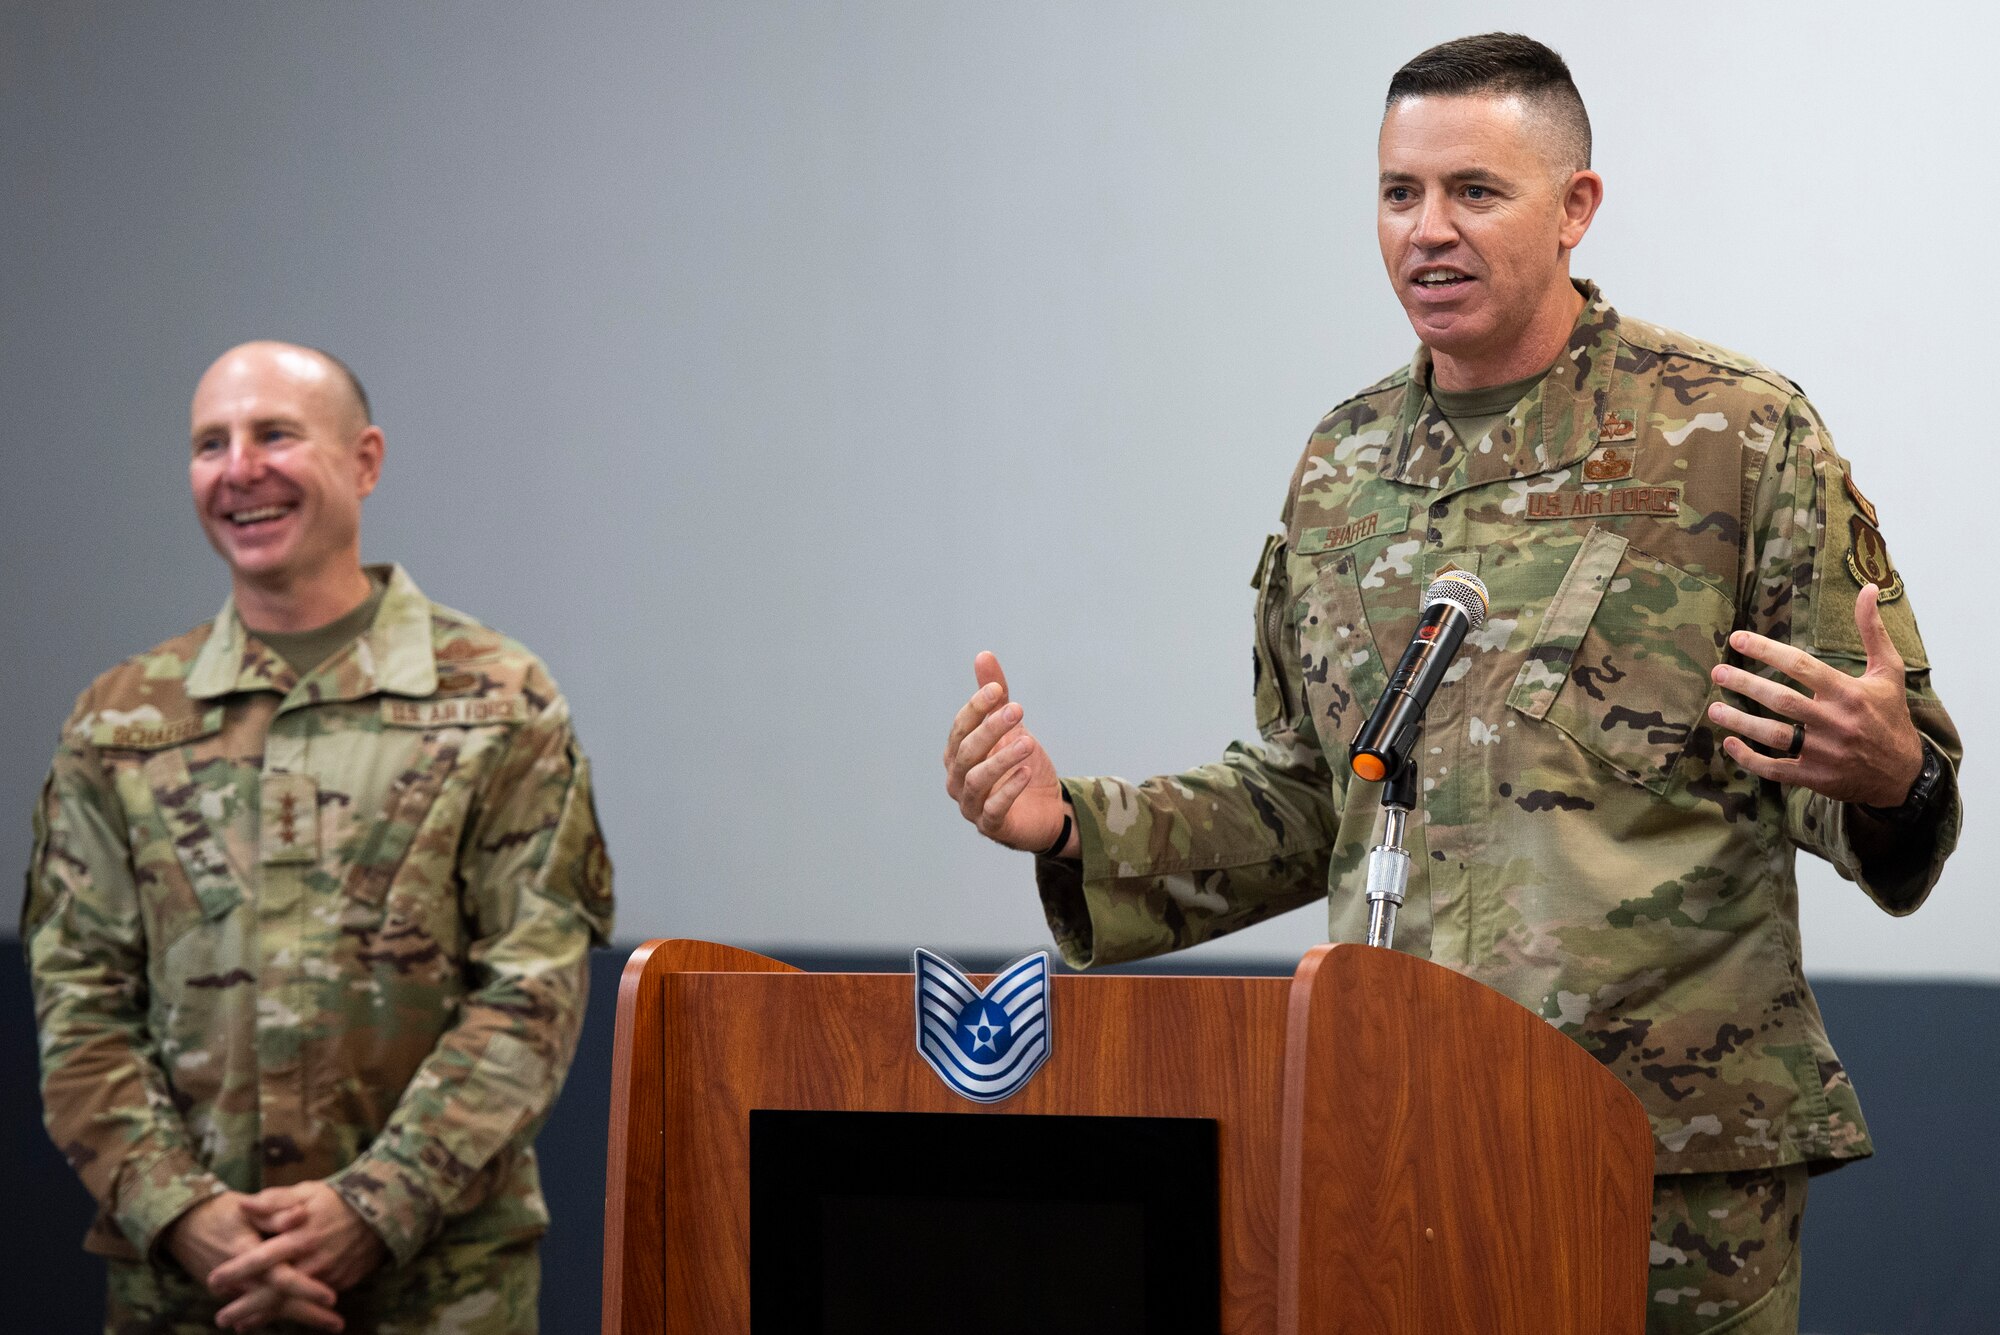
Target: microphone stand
(1388,861)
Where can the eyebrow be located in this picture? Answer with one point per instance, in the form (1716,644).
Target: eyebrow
(1470,176)
(209,428)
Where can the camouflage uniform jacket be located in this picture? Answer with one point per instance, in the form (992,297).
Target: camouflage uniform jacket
(331,928)
(1583,845)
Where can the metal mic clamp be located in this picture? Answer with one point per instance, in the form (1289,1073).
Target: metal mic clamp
(1389,861)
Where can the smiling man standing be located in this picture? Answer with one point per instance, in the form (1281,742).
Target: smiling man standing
(1698,660)
(307,917)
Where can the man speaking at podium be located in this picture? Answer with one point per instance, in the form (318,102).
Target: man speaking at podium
(1698,659)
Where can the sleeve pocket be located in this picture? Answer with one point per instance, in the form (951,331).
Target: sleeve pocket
(1841,562)
(1621,660)
(1267,675)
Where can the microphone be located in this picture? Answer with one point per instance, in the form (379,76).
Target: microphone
(1454,607)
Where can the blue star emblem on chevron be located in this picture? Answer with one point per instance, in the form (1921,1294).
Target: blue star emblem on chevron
(986,1043)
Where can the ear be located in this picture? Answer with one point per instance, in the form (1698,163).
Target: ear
(368,459)
(1580,199)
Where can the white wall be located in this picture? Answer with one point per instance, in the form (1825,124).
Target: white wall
(760,363)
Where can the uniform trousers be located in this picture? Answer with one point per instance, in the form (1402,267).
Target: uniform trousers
(1725,1253)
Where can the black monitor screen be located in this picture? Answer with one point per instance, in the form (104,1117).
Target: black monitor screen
(921,1223)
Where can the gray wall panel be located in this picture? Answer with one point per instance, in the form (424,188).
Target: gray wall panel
(759,363)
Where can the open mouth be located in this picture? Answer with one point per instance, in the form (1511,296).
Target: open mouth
(1441,280)
(263,514)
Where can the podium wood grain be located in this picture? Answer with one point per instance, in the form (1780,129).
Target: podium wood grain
(1447,1166)
(1120,1046)
(1402,1151)
(635,1156)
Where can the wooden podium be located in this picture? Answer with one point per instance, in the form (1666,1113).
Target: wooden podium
(1402,1151)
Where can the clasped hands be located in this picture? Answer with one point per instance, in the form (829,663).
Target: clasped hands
(283,1253)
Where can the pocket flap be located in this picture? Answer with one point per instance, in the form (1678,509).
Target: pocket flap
(409,802)
(1564,622)
(217,883)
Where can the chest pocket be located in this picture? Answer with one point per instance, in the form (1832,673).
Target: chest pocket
(179,809)
(1343,673)
(1621,659)
(384,838)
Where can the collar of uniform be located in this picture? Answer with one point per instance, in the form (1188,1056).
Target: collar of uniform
(232,660)
(393,656)
(1555,423)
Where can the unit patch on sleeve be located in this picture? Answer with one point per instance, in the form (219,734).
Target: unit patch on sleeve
(1868,555)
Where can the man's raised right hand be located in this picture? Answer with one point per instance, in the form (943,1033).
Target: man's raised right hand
(1001,778)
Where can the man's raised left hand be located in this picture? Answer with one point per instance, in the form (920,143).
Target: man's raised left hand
(1859,742)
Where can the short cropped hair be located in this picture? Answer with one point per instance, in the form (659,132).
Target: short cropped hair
(1501,64)
(353,380)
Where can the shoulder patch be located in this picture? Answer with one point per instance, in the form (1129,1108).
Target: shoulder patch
(1851,553)
(1868,560)
(455,712)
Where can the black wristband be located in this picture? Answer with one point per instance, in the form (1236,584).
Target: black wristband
(1923,792)
(1062,840)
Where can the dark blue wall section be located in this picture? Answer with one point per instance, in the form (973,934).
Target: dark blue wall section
(1908,1243)
(1905,1244)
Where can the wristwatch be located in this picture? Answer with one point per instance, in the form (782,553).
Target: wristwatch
(1922,793)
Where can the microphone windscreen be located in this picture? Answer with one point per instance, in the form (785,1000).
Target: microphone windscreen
(1463,590)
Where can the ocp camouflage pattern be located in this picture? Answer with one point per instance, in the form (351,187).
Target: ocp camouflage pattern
(1584,846)
(462,1283)
(331,928)
(1725,1248)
